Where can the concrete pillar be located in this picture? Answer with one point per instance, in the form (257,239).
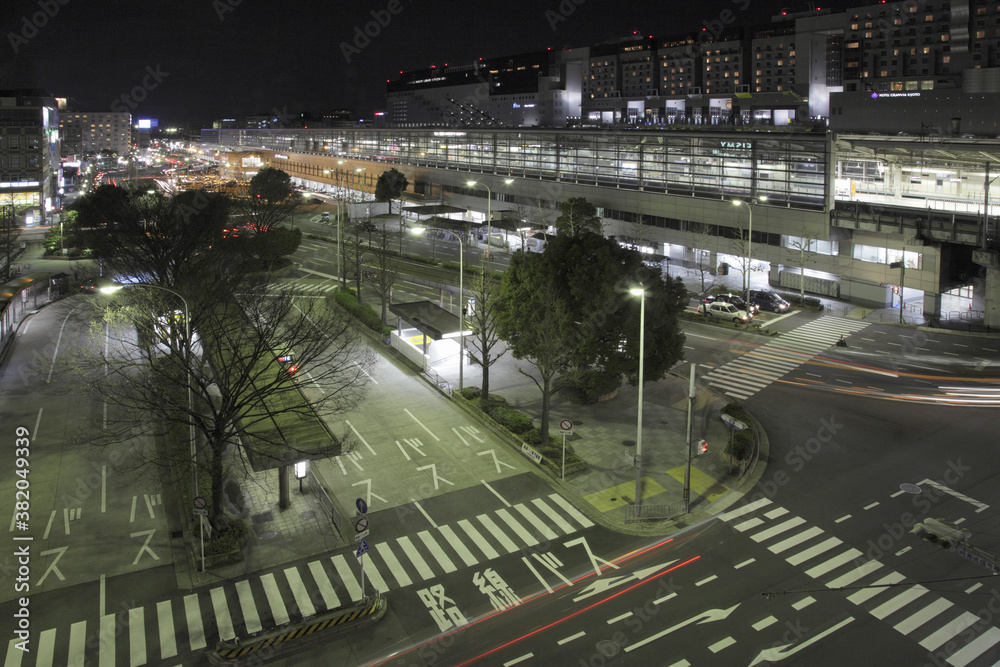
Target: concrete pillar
(991,298)
(932,305)
(284,500)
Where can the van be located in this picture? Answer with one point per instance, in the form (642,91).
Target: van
(767,300)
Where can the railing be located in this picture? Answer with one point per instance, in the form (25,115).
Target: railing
(324,500)
(443,385)
(747,466)
(672,510)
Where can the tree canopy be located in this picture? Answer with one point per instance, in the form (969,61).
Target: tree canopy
(390,185)
(577,215)
(269,200)
(568,311)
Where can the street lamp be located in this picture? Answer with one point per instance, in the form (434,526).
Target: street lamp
(746,268)
(187,363)
(641,293)
(489,210)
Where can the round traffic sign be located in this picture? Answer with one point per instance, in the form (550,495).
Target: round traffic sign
(361,525)
(361,505)
(566,425)
(200,503)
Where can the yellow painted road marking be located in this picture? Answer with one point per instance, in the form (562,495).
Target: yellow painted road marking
(704,485)
(622,495)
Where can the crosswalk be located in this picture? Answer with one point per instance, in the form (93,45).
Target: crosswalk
(943,629)
(743,377)
(307,288)
(158,633)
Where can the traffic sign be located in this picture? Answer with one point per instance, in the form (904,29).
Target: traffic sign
(732,422)
(566,425)
(361,525)
(360,537)
(200,503)
(361,505)
(362,550)
(200,512)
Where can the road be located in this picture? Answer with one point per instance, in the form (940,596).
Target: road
(490,566)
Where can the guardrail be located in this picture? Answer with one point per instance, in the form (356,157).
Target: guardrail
(669,511)
(327,503)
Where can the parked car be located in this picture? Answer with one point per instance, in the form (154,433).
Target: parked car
(733,299)
(325,215)
(367,227)
(724,311)
(768,300)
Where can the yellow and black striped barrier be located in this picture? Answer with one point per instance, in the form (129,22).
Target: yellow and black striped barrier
(235,650)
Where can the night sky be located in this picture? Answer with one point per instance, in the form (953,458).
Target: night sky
(198,60)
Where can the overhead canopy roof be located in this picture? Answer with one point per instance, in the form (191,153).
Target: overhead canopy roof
(429,318)
(433,209)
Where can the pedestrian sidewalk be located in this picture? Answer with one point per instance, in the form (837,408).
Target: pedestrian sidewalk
(604,436)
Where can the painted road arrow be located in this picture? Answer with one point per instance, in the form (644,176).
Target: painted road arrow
(704,617)
(782,652)
(607,583)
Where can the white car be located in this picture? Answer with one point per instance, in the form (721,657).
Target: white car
(724,311)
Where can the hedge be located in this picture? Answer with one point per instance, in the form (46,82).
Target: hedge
(232,539)
(362,311)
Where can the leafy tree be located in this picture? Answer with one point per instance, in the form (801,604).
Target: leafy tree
(269,200)
(577,215)
(485,340)
(276,243)
(391,185)
(568,309)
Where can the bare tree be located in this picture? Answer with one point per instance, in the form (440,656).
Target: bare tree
(246,407)
(485,340)
(802,249)
(703,268)
(10,244)
(385,268)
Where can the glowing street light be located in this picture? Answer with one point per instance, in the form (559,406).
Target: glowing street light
(641,293)
(489,210)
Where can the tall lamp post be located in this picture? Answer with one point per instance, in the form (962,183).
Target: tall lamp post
(187,364)
(489,209)
(746,268)
(641,293)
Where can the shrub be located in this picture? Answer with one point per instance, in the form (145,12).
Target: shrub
(510,419)
(533,437)
(362,311)
(471,393)
(742,440)
(232,539)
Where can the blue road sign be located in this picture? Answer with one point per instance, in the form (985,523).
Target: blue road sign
(362,550)
(361,505)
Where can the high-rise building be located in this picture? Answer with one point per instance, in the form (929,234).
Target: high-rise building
(90,132)
(30,175)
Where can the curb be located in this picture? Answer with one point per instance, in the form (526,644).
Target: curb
(230,652)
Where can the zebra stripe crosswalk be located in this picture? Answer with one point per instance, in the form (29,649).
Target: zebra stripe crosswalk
(743,377)
(166,629)
(910,609)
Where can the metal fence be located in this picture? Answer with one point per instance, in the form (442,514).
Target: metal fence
(324,499)
(439,382)
(672,510)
